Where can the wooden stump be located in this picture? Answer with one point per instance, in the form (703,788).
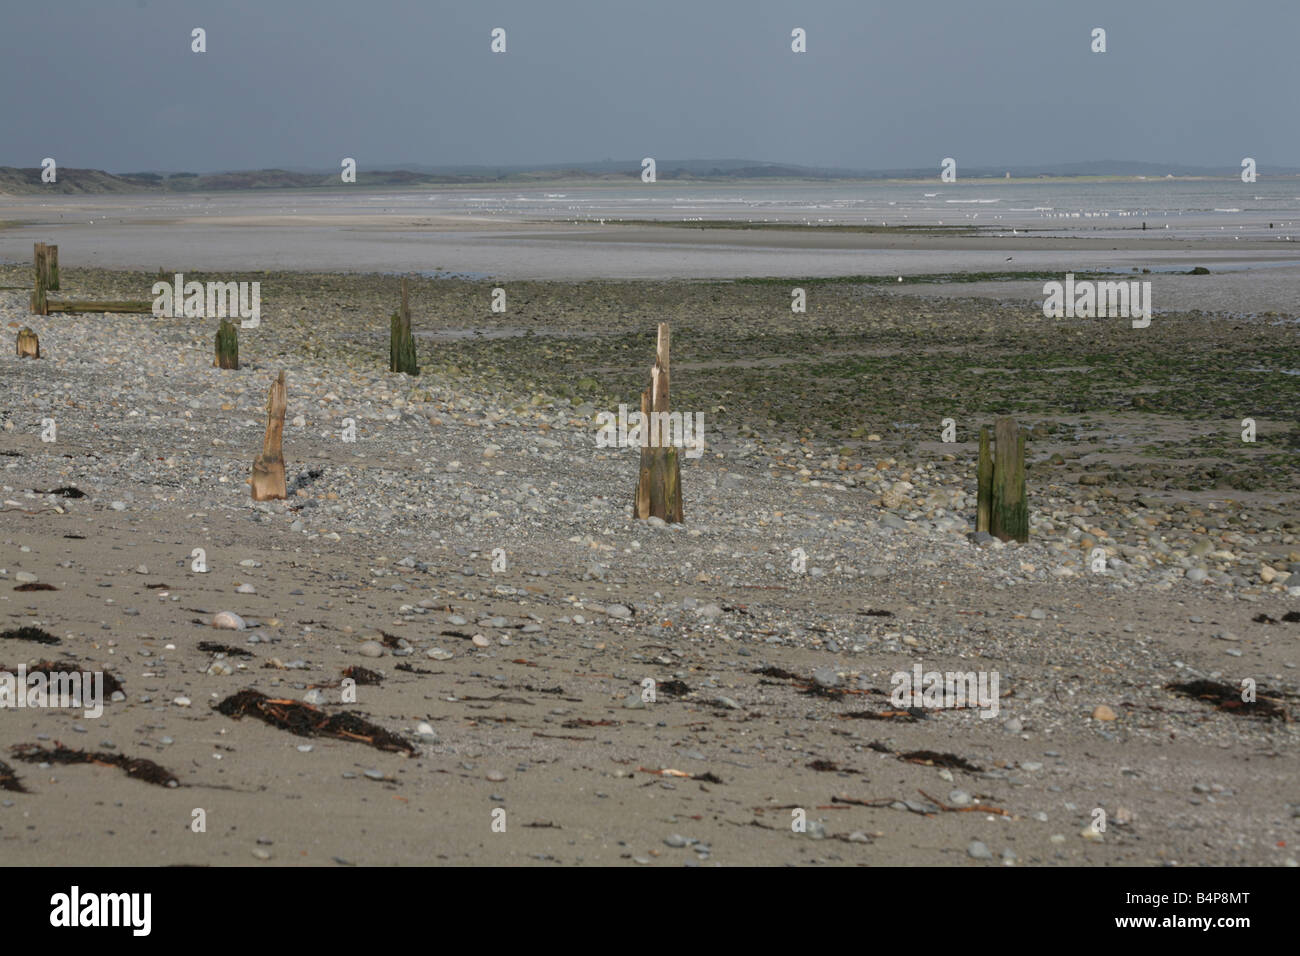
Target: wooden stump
(39,306)
(227,346)
(268,468)
(659,488)
(52,268)
(29,346)
(1002,507)
(1009,518)
(984,482)
(401,343)
(47,279)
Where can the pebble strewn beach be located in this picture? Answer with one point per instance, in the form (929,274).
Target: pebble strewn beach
(827,538)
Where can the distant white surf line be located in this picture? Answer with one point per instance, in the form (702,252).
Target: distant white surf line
(981,201)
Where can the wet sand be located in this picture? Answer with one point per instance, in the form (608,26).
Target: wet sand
(117,233)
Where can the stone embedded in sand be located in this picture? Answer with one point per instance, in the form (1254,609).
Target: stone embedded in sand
(480,641)
(228,620)
(897,497)
(371,649)
(1103,713)
(826,677)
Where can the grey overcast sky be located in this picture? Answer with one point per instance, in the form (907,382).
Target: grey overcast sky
(113,84)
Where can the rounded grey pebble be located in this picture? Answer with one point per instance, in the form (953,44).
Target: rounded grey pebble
(826,677)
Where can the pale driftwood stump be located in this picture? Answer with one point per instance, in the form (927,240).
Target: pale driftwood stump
(268,468)
(29,346)
(659,488)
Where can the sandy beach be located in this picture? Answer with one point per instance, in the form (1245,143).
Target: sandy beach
(520,687)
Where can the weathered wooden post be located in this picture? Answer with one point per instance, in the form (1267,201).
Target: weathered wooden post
(52,268)
(47,279)
(29,346)
(268,468)
(1010,518)
(401,343)
(227,346)
(984,482)
(1002,505)
(659,488)
(39,304)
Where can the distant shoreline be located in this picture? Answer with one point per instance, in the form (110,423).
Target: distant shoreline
(16,181)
